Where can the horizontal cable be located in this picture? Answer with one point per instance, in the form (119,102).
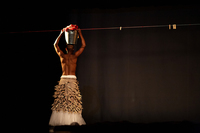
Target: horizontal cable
(110,28)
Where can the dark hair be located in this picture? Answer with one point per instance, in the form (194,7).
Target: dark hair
(69,46)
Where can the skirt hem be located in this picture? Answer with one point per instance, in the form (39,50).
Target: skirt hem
(59,118)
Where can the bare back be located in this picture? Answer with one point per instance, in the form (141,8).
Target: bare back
(68,64)
(68,61)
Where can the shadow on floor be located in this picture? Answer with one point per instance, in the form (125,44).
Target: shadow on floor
(128,127)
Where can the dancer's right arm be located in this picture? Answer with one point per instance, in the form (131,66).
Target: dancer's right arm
(58,51)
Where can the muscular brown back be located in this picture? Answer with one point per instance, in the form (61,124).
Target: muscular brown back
(68,61)
(68,64)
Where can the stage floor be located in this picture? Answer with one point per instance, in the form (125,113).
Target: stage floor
(127,127)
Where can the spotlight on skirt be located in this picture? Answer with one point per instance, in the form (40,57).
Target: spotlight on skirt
(67,106)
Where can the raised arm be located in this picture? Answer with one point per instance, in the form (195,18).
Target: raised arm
(83,44)
(58,51)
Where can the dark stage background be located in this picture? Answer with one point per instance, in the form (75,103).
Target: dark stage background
(136,75)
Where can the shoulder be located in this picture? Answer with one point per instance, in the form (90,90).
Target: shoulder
(62,55)
(79,52)
(74,56)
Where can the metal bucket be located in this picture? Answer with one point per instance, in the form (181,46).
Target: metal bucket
(71,36)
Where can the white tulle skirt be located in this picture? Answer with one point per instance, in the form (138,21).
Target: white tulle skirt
(65,118)
(67,106)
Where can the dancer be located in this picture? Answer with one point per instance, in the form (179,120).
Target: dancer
(67,106)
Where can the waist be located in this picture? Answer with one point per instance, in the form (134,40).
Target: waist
(68,76)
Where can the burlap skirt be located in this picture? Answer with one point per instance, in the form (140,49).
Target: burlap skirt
(67,106)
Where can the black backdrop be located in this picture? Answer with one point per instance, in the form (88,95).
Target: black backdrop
(137,75)
(140,75)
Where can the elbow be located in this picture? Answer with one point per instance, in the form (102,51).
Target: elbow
(55,44)
(84,44)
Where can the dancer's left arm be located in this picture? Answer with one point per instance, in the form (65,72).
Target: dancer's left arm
(83,44)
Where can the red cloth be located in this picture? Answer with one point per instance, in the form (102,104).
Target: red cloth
(71,27)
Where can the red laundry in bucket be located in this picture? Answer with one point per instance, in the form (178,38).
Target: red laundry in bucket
(71,27)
